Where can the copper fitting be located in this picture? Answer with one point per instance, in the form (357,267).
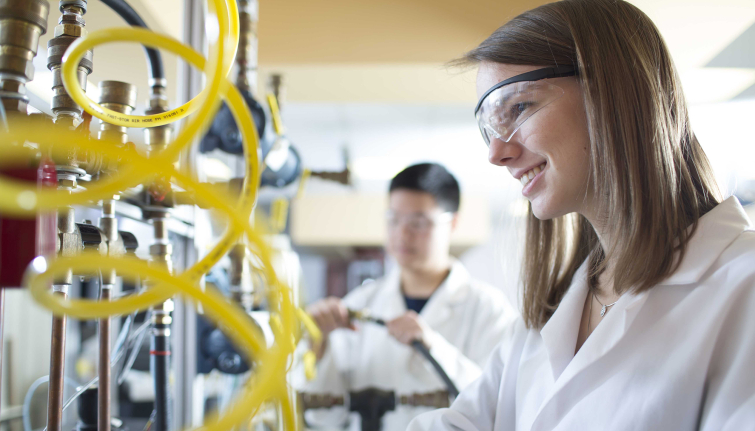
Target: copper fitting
(21,25)
(57,365)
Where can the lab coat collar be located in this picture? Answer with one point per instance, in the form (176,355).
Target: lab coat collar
(715,231)
(450,292)
(559,334)
(439,308)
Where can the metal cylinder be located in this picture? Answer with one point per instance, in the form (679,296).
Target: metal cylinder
(2,325)
(157,138)
(120,97)
(160,369)
(246,56)
(70,27)
(57,366)
(21,25)
(277,86)
(108,222)
(161,254)
(103,369)
(242,289)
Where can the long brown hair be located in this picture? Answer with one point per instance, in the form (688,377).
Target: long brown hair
(652,179)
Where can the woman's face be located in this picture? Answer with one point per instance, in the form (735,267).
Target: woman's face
(552,145)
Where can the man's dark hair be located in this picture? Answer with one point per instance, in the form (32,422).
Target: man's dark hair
(430,178)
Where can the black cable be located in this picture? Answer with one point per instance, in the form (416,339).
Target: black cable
(422,349)
(132,18)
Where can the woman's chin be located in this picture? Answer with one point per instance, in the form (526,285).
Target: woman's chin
(543,211)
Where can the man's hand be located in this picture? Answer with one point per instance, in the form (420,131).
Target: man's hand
(329,314)
(408,328)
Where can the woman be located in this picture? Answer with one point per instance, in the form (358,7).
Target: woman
(638,280)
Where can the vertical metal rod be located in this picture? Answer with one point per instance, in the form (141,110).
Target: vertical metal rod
(2,331)
(66,226)
(103,392)
(161,252)
(57,365)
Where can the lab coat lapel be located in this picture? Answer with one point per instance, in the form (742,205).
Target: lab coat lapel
(560,333)
(439,309)
(560,341)
(605,336)
(389,302)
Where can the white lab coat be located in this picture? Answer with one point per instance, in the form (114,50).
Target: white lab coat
(467,318)
(678,357)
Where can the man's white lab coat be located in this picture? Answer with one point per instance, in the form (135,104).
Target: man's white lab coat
(678,357)
(467,319)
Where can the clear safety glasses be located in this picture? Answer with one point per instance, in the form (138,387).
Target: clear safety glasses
(418,223)
(507,105)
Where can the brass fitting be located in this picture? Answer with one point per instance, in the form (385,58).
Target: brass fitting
(161,314)
(72,30)
(161,251)
(119,97)
(68,183)
(242,288)
(70,27)
(21,25)
(157,138)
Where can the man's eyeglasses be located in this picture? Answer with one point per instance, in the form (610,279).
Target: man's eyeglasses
(503,109)
(419,223)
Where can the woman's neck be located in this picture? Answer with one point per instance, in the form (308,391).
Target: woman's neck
(604,283)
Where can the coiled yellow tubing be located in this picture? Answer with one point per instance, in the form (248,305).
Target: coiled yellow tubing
(268,381)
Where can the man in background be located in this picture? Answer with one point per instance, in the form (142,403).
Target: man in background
(429,297)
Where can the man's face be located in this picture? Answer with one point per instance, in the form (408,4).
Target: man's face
(419,231)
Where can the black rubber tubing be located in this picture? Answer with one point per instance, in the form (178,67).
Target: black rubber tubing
(160,368)
(422,349)
(125,11)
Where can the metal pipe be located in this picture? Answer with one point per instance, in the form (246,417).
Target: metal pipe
(103,369)
(67,229)
(109,226)
(57,366)
(246,55)
(161,253)
(2,328)
(120,97)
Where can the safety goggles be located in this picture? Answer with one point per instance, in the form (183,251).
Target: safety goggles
(507,105)
(418,223)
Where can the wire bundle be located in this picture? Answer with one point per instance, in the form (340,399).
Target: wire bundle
(268,381)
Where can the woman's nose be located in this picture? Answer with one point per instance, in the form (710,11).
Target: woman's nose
(501,153)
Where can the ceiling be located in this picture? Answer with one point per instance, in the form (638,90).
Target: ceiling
(386,31)
(394,51)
